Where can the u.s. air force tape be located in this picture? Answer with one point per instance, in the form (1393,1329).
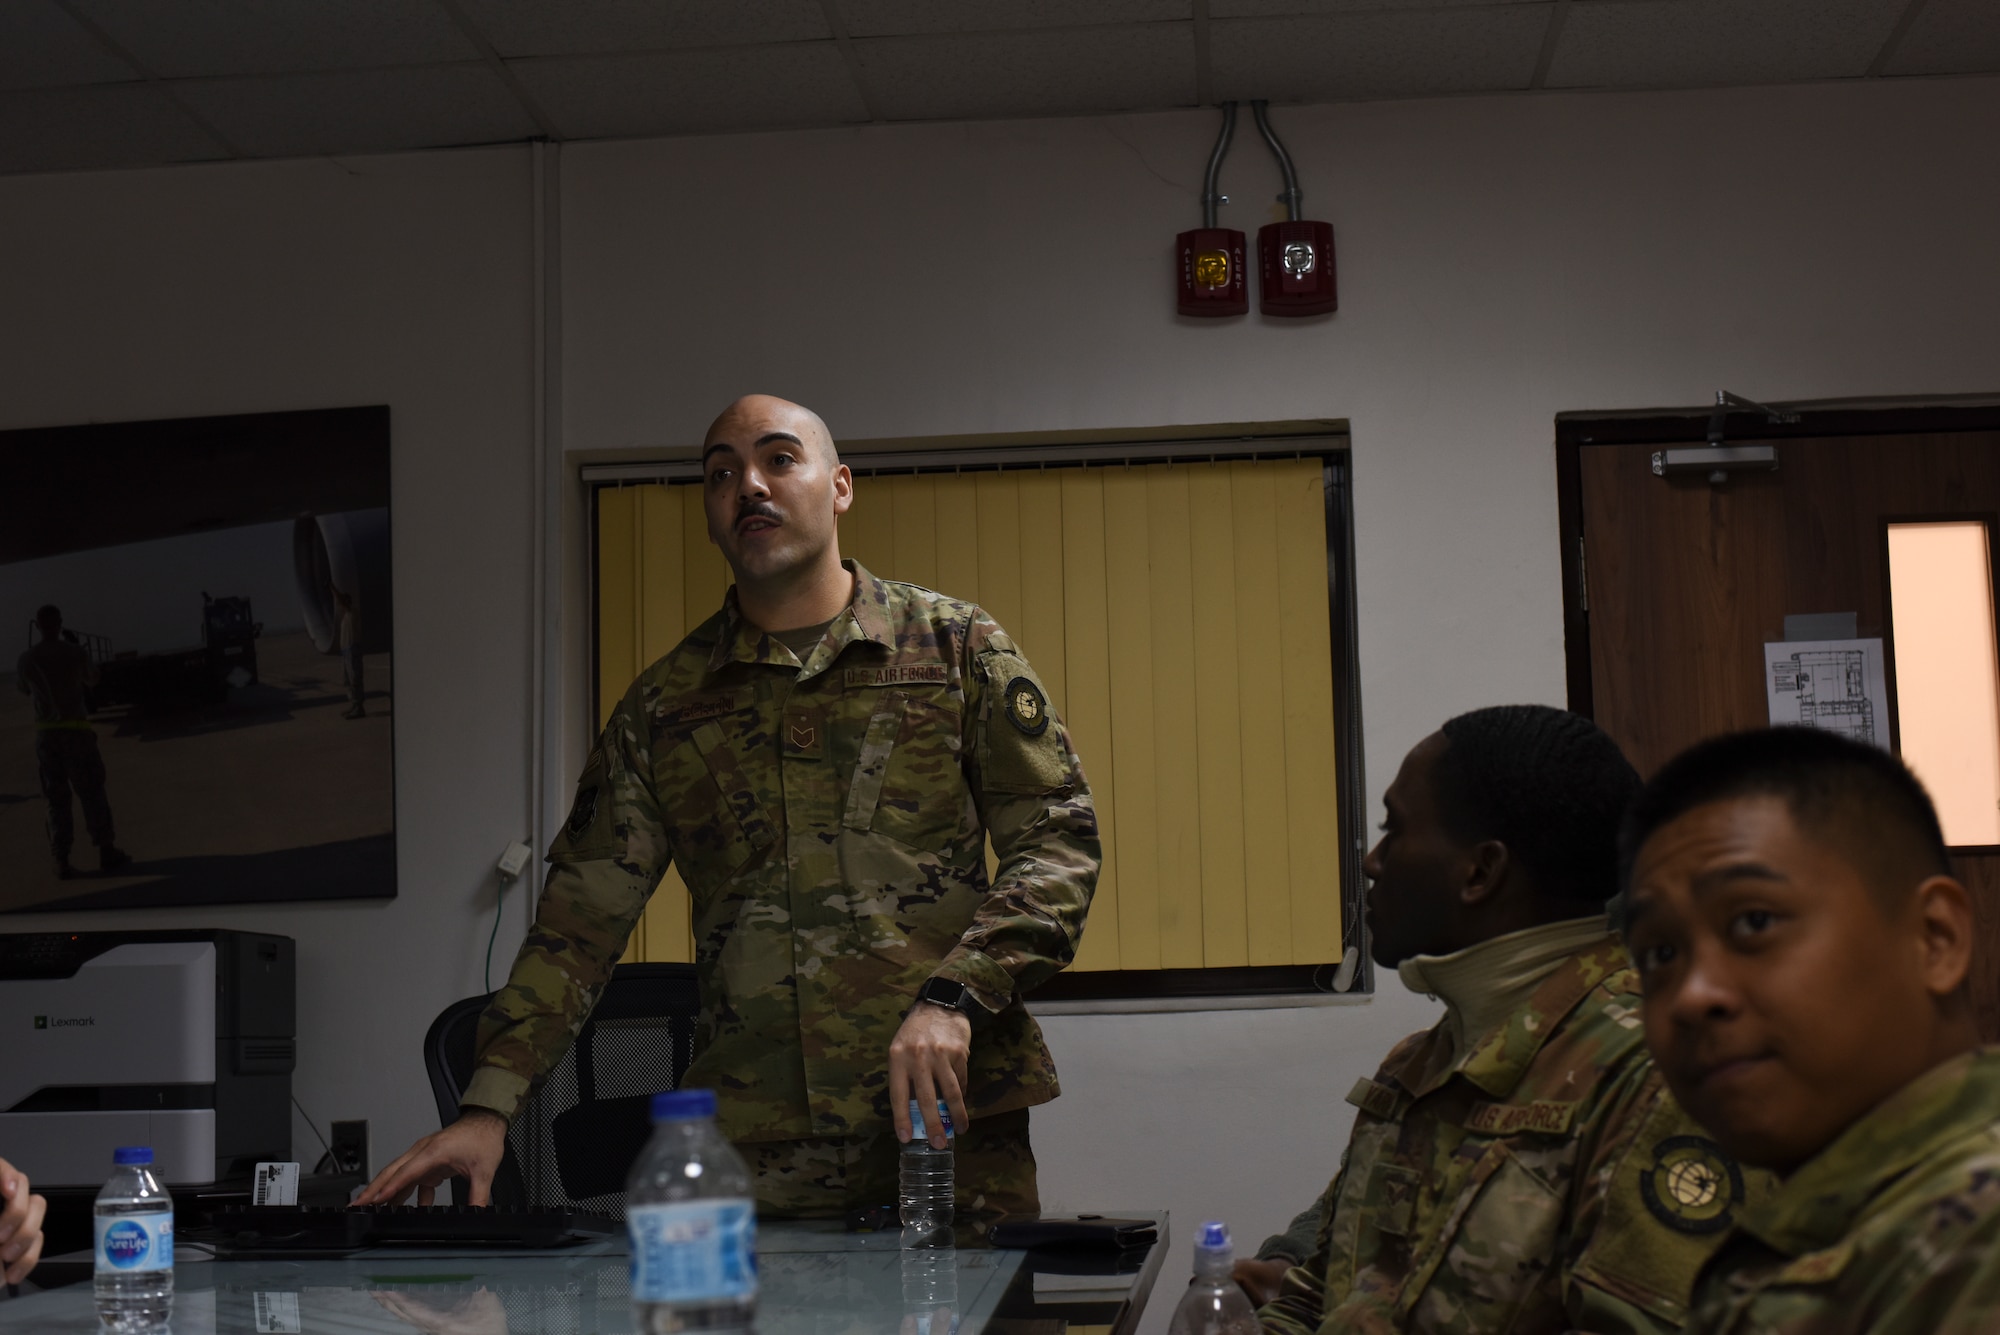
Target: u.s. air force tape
(1027,706)
(1692,1186)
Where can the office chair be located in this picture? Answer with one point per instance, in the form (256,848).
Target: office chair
(578,1133)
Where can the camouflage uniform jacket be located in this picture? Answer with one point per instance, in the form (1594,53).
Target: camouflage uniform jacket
(1893,1229)
(830,819)
(1522,1189)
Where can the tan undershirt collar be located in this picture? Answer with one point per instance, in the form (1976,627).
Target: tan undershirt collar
(1484,984)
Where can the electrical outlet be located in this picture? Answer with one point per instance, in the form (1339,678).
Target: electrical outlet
(513,860)
(350,1147)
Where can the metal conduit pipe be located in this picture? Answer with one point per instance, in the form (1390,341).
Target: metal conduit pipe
(1210,200)
(1293,198)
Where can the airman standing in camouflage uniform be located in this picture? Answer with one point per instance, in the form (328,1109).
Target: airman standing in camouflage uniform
(823,760)
(1804,950)
(1513,1167)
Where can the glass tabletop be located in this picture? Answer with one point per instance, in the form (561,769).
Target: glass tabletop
(814,1279)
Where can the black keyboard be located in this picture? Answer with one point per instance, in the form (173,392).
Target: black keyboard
(266,1228)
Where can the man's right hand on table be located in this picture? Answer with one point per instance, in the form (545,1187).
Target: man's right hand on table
(1260,1280)
(470,1148)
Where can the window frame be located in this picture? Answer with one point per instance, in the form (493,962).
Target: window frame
(1325,441)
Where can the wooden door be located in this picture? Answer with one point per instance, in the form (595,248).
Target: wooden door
(1683,581)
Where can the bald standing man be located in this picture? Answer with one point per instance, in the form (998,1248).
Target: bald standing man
(823,760)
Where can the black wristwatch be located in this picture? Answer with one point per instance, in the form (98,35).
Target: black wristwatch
(950,992)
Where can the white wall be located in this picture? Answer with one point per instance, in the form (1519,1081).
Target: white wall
(398,280)
(1501,260)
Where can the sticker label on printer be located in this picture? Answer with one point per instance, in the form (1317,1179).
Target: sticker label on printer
(129,1244)
(693,1251)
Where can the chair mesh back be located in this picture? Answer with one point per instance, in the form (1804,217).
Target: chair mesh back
(574,1140)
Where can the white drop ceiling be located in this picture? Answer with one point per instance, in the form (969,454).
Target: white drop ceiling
(90,84)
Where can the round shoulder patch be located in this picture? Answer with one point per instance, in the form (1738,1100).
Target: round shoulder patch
(1027,706)
(584,811)
(1692,1186)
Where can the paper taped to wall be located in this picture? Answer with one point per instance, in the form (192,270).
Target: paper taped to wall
(1838,685)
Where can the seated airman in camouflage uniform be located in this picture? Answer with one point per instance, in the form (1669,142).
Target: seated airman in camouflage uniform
(1804,951)
(823,760)
(1512,1168)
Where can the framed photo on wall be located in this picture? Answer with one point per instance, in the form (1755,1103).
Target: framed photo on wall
(197,693)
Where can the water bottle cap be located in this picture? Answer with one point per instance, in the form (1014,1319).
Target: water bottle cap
(130,1156)
(1214,1237)
(683,1105)
(917,1131)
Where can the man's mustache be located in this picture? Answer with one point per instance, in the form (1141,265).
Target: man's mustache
(762,509)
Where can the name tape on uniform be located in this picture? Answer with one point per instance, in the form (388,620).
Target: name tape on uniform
(898,674)
(1504,1119)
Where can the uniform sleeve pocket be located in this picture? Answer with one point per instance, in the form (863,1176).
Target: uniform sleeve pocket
(586,834)
(1021,748)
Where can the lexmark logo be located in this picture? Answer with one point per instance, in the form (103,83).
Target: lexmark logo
(64,1021)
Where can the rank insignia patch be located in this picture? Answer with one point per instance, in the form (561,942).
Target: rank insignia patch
(1692,1186)
(1027,706)
(584,811)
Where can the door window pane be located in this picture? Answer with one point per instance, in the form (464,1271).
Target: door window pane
(1947,679)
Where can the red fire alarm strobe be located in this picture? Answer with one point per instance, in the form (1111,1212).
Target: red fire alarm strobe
(1211,268)
(1294,258)
(1295,262)
(1210,273)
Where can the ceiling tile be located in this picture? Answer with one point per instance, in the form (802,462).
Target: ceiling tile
(1411,53)
(201,38)
(1951,37)
(80,129)
(42,47)
(360,111)
(584,27)
(1693,43)
(889,18)
(1237,9)
(1054,73)
(685,92)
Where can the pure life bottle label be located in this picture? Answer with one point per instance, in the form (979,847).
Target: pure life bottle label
(693,1251)
(132,1244)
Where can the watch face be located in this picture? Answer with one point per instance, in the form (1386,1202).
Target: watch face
(944,992)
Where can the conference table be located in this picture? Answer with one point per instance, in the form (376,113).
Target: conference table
(814,1279)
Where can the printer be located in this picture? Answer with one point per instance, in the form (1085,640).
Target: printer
(181,1040)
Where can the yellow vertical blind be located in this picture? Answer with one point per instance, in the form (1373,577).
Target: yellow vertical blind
(1178,615)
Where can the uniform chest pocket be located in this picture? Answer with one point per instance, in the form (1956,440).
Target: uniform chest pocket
(1492,1252)
(907,782)
(714,819)
(1392,1194)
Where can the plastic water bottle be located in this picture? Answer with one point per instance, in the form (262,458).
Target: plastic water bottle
(135,1246)
(1213,1305)
(692,1221)
(927,1186)
(930,1290)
